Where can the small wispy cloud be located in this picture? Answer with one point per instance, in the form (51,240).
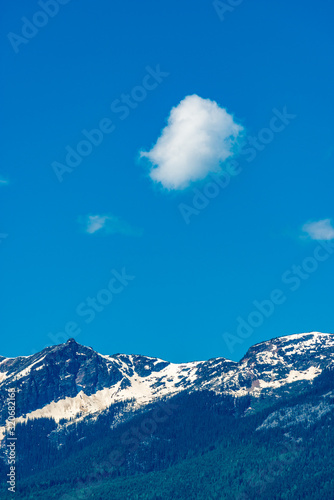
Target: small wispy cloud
(198,138)
(319,230)
(3,182)
(3,236)
(108,224)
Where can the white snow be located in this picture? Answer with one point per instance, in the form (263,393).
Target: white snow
(308,374)
(81,405)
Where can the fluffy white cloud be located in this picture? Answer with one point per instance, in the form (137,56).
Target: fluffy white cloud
(320,230)
(199,136)
(109,224)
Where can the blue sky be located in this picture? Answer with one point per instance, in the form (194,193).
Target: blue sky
(127,253)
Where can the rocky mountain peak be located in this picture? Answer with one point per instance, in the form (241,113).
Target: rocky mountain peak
(71,341)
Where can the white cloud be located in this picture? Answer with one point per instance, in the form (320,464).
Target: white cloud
(109,224)
(199,136)
(320,230)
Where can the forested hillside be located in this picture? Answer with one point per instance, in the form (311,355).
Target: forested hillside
(208,447)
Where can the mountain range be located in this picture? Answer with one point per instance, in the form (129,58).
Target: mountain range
(74,401)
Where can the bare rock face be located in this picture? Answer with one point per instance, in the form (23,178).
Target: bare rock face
(54,374)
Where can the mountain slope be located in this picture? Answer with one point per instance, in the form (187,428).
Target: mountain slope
(205,451)
(161,427)
(71,382)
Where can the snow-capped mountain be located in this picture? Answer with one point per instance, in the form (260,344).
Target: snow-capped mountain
(71,382)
